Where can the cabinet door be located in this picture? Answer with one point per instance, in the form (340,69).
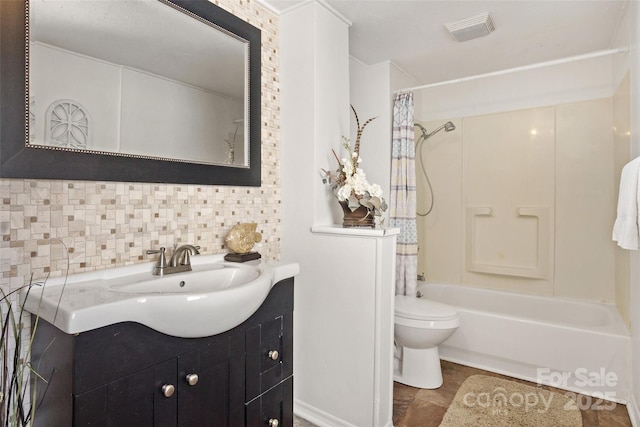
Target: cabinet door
(135,400)
(263,357)
(203,386)
(274,408)
(269,354)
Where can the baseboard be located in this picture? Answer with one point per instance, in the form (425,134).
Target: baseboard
(317,416)
(634,412)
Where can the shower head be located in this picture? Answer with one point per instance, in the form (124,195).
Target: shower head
(448,127)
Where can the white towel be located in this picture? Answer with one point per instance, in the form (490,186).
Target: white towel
(626,230)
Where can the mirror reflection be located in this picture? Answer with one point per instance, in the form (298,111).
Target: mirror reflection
(137,78)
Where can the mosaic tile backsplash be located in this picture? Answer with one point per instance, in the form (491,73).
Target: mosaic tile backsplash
(106,224)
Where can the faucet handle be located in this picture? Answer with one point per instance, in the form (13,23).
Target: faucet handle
(162,260)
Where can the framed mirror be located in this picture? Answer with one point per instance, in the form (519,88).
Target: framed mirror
(133,91)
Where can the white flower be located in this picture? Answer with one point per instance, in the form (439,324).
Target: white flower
(357,182)
(348,169)
(375,190)
(344,192)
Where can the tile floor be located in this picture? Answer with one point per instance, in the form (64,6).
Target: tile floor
(299,422)
(413,407)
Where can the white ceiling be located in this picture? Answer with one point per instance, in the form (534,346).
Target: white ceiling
(411,33)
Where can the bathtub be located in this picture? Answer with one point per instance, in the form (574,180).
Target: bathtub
(583,347)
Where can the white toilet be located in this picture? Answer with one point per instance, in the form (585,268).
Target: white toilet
(420,327)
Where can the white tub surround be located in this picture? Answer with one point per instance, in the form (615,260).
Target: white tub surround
(571,344)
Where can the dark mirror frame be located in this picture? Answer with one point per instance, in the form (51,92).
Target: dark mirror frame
(17,160)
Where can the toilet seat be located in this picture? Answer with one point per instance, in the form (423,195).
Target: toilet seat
(422,309)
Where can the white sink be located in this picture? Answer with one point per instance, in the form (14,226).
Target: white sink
(213,298)
(213,278)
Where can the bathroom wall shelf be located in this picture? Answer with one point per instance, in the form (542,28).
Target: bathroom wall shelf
(362,232)
(538,267)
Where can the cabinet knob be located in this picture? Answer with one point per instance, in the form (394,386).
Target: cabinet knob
(168,390)
(273,422)
(273,355)
(192,379)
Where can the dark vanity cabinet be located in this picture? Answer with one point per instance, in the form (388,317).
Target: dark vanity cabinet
(192,389)
(130,375)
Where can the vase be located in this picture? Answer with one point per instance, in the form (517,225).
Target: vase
(360,217)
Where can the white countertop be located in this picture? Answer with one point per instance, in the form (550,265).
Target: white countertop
(85,301)
(337,229)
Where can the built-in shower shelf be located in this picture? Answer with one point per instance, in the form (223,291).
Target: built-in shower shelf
(537,266)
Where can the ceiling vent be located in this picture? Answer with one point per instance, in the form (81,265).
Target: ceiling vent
(471,28)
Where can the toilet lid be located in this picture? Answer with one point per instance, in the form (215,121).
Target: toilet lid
(423,309)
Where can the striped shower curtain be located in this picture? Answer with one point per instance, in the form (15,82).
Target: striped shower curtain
(403,194)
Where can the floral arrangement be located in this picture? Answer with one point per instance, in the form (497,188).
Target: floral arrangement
(349,182)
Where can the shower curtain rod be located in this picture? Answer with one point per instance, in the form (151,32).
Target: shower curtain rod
(589,55)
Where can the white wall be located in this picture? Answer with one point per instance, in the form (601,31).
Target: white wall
(556,84)
(193,125)
(562,178)
(559,84)
(343,313)
(314,112)
(629,35)
(55,74)
(134,112)
(369,92)
(401,80)
(297,130)
(634,42)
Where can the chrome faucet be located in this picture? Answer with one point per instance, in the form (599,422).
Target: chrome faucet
(180,260)
(185,251)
